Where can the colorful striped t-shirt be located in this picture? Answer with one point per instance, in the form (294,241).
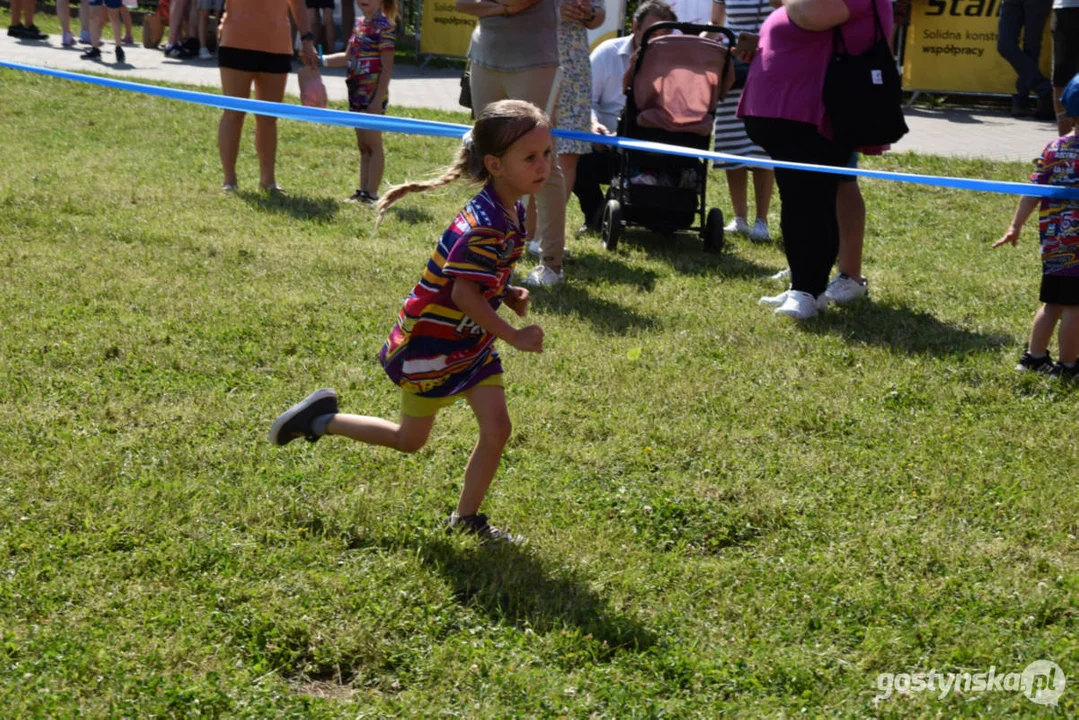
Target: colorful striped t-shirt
(434,349)
(1058,220)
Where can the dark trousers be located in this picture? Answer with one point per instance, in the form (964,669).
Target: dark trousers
(807,215)
(1028,17)
(1065,45)
(594,169)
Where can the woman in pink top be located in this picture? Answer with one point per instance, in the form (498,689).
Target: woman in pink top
(256,48)
(783,108)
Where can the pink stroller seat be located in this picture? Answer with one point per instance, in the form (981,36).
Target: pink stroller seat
(678,84)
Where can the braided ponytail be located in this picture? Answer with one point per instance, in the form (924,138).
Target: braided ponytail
(498,126)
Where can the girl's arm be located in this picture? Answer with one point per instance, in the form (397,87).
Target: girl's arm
(383,81)
(1022,212)
(468,296)
(336,60)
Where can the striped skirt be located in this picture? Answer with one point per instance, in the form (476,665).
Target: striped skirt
(731,135)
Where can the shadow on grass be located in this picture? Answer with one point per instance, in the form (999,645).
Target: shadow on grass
(606,317)
(684,253)
(901,328)
(603,266)
(509,584)
(410,215)
(298,206)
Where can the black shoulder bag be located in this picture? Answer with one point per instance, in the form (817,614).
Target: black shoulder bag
(862,93)
(465,98)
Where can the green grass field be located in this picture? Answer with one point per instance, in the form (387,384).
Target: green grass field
(728,514)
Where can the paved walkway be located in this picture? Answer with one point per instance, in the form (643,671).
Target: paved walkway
(952,132)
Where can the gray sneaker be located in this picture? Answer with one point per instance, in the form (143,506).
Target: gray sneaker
(486,532)
(296,421)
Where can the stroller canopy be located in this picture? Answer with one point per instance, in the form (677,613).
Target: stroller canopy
(678,84)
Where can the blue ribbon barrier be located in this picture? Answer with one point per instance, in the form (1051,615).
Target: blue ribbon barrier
(454,130)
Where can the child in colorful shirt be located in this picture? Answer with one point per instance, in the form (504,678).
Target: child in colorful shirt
(441,348)
(1058,226)
(369,59)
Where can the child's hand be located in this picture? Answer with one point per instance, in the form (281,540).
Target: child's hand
(517,300)
(1012,236)
(528,339)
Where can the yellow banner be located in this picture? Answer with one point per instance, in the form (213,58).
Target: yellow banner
(952,47)
(443,30)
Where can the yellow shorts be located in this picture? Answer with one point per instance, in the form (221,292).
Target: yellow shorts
(418,406)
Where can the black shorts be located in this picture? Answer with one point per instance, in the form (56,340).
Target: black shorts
(320,4)
(1065,27)
(254,60)
(1059,290)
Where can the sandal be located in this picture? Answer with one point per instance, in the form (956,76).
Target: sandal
(273,189)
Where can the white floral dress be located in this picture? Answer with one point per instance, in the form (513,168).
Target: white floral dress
(575,95)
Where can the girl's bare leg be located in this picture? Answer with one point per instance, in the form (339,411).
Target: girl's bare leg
(408,436)
(489,404)
(235,83)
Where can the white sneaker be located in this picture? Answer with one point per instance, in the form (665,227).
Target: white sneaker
(845,289)
(759,232)
(784,274)
(801,305)
(533,248)
(204,54)
(774,300)
(738,226)
(542,275)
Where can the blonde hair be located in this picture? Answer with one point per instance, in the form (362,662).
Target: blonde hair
(499,125)
(389,9)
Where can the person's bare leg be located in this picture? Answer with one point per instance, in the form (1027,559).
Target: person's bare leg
(763,183)
(125,15)
(271,88)
(204,15)
(569,172)
(738,184)
(1068,334)
(850,212)
(1041,330)
(363,159)
(177,11)
(312,22)
(328,29)
(63,13)
(97,23)
(348,17)
(408,436)
(372,161)
(489,404)
(114,18)
(234,83)
(85,18)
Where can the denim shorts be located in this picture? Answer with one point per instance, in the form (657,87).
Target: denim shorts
(110,4)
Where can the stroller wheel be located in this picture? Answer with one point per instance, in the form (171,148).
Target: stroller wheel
(713,231)
(611,228)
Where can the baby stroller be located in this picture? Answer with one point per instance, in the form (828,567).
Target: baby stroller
(674,86)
